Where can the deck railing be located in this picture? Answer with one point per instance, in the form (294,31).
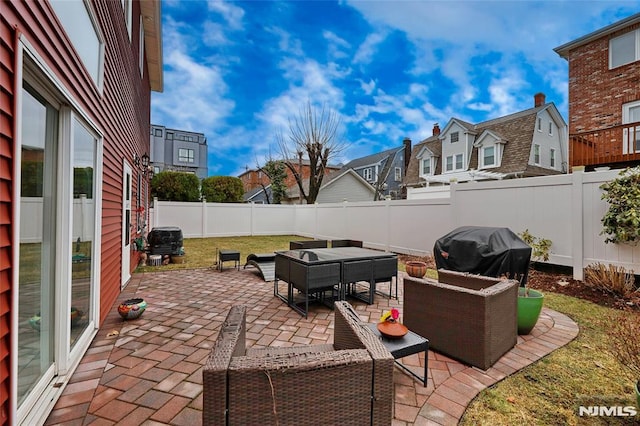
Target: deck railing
(618,144)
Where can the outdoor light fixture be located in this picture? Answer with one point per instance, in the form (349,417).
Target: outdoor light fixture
(136,160)
(145,161)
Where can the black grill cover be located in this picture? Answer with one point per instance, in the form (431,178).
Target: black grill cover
(482,250)
(165,240)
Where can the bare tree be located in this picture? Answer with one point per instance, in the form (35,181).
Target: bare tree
(314,134)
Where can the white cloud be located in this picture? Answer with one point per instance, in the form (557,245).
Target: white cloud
(230,12)
(367,88)
(368,49)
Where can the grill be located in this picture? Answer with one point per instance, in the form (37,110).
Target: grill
(487,251)
(165,240)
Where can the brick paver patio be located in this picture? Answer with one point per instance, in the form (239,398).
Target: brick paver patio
(149,370)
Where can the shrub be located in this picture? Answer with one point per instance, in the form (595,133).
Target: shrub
(175,186)
(222,189)
(540,247)
(621,222)
(610,278)
(624,330)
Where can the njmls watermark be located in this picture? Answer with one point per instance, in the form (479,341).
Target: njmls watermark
(608,411)
(604,406)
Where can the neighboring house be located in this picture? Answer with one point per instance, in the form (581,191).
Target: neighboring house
(253,179)
(342,185)
(259,195)
(528,143)
(385,170)
(604,95)
(256,178)
(75,83)
(178,151)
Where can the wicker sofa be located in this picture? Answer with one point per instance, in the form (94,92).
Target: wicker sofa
(348,383)
(468,317)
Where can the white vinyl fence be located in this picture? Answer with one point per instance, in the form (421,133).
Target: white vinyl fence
(567,209)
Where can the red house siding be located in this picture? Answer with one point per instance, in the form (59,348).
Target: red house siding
(121,112)
(7,72)
(596,93)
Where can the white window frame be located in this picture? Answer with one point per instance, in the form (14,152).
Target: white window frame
(367,174)
(550,128)
(552,158)
(141,49)
(422,163)
(536,154)
(397,174)
(42,78)
(632,34)
(454,163)
(484,164)
(70,25)
(127,7)
(630,146)
(457,138)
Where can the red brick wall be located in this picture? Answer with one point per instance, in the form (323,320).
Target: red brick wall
(596,93)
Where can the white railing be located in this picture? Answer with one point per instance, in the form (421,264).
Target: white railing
(567,209)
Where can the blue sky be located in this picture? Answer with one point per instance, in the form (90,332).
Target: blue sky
(237,71)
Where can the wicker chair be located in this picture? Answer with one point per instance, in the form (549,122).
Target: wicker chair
(347,383)
(467,317)
(346,243)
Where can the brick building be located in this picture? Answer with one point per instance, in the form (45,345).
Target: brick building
(604,95)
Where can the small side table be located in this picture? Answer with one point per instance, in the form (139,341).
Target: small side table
(228,256)
(411,343)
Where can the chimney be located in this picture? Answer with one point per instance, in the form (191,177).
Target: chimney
(539,99)
(407,153)
(436,129)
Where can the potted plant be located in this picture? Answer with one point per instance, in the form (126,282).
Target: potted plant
(530,301)
(623,332)
(415,268)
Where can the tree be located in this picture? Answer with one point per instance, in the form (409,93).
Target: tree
(312,133)
(222,189)
(175,186)
(276,172)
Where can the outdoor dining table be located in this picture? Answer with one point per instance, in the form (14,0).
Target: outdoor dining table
(316,271)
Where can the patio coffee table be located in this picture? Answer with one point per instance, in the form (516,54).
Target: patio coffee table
(411,343)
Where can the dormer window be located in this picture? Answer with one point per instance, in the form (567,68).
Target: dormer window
(551,128)
(367,174)
(539,124)
(425,166)
(488,156)
(453,162)
(455,137)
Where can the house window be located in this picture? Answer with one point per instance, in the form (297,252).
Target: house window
(426,166)
(489,156)
(552,158)
(398,174)
(536,154)
(539,124)
(631,134)
(455,137)
(126,7)
(158,132)
(141,49)
(170,136)
(624,49)
(454,162)
(185,155)
(367,174)
(551,128)
(79,25)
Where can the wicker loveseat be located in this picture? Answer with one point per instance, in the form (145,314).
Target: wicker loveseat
(347,383)
(468,317)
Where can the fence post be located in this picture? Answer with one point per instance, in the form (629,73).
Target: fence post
(577,226)
(204,218)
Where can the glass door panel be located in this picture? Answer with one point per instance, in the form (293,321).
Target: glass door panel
(83,229)
(36,270)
